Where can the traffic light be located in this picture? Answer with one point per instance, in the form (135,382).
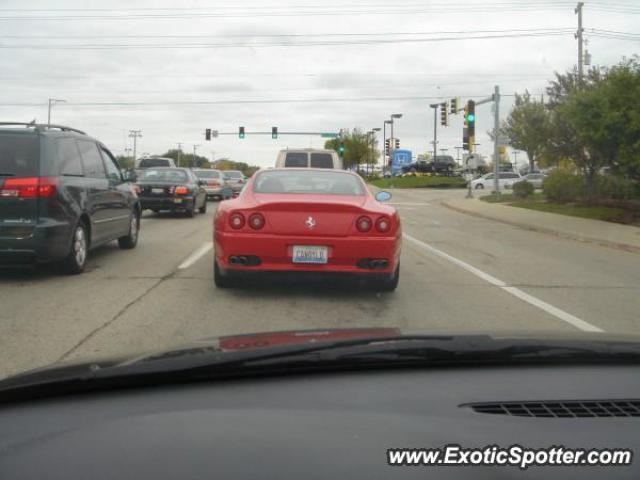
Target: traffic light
(471,118)
(444,114)
(397,144)
(274,132)
(241,132)
(387,146)
(341,149)
(465,139)
(454,106)
(207,134)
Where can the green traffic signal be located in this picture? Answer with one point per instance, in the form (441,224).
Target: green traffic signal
(471,117)
(241,132)
(341,148)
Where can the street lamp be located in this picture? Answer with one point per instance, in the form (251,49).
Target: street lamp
(52,101)
(373,144)
(392,142)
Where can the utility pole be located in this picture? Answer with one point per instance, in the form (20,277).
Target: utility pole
(194,154)
(135,134)
(435,130)
(52,101)
(179,154)
(458,154)
(496,134)
(578,35)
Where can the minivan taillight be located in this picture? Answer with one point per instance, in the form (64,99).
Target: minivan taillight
(29,187)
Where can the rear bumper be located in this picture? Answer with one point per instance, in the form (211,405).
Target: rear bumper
(275,253)
(47,241)
(166,203)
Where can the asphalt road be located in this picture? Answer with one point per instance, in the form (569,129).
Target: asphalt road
(459,274)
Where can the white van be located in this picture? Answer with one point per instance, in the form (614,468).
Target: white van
(154,162)
(308,158)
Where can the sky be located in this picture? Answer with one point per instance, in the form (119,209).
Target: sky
(174,68)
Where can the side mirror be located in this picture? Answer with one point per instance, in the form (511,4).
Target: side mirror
(383,196)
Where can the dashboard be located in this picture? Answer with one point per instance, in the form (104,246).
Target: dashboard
(320,425)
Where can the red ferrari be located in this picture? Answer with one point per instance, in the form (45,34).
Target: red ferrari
(316,221)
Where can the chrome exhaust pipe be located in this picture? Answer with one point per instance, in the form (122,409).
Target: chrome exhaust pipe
(242,260)
(234,260)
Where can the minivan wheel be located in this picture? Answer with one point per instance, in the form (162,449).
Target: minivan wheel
(479,186)
(191,211)
(203,208)
(130,240)
(75,262)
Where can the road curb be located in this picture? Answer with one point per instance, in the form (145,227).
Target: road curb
(557,233)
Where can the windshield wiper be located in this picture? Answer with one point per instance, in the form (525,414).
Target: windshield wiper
(210,363)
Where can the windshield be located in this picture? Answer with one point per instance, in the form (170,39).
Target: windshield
(19,154)
(324,183)
(233,175)
(207,174)
(419,166)
(168,175)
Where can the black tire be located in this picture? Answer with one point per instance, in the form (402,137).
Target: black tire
(130,240)
(203,208)
(389,284)
(155,210)
(191,212)
(479,186)
(220,280)
(76,260)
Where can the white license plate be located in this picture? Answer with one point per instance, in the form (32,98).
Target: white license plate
(157,190)
(177,200)
(310,254)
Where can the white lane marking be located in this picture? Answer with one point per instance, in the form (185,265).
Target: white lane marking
(196,255)
(415,204)
(516,292)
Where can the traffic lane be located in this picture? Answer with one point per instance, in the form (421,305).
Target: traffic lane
(45,314)
(433,296)
(597,284)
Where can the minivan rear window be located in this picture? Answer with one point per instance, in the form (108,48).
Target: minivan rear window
(296,160)
(321,160)
(19,155)
(153,162)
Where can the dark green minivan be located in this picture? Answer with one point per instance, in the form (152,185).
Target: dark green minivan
(61,194)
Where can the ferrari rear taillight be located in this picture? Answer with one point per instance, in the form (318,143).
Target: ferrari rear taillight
(383,224)
(256,221)
(181,191)
(236,221)
(29,187)
(363,224)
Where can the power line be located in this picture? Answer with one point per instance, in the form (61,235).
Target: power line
(282,44)
(240,102)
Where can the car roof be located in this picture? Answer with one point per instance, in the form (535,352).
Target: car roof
(304,169)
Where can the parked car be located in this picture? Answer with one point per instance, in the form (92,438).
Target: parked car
(316,221)
(535,179)
(235,179)
(155,162)
(443,164)
(61,194)
(309,158)
(214,184)
(505,180)
(173,189)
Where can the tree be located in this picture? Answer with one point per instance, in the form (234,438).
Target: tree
(126,163)
(359,148)
(528,127)
(187,159)
(226,164)
(599,125)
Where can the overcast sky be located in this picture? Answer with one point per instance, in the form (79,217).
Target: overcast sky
(246,81)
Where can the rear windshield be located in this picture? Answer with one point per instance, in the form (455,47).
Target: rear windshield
(19,155)
(154,162)
(207,174)
(325,183)
(169,175)
(296,160)
(232,174)
(321,160)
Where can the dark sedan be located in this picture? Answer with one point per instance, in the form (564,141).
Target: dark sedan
(174,189)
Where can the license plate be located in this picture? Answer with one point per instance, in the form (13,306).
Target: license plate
(177,200)
(309,254)
(157,190)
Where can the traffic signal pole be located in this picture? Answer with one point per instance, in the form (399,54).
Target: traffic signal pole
(496,133)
